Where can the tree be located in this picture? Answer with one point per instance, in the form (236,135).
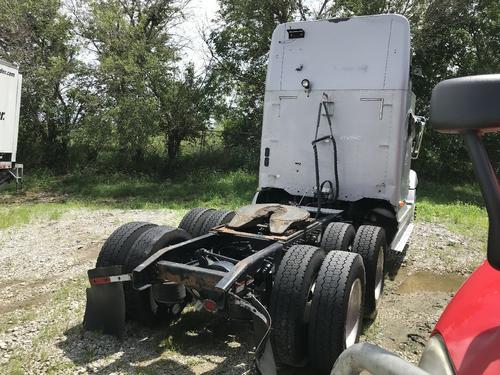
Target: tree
(454,38)
(35,35)
(137,75)
(185,110)
(240,48)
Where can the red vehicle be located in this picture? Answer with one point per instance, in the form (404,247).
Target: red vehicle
(466,339)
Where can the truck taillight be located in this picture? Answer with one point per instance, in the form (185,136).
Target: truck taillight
(210,305)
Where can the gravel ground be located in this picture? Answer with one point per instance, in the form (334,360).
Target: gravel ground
(42,298)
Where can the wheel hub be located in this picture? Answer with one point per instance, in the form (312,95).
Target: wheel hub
(353,318)
(379,274)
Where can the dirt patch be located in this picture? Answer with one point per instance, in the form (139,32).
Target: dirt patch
(436,249)
(12,300)
(29,196)
(405,319)
(42,298)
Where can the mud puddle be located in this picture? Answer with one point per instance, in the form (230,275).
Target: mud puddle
(426,281)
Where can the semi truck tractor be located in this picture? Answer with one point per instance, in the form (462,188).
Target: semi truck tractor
(305,261)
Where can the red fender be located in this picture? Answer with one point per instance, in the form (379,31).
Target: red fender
(470,324)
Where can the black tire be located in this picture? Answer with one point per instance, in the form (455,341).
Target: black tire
(290,295)
(337,236)
(329,308)
(117,246)
(226,217)
(140,305)
(189,220)
(202,218)
(189,217)
(215,219)
(370,242)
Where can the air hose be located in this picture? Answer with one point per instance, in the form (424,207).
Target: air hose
(320,186)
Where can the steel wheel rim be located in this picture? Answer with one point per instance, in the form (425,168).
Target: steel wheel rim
(353,318)
(379,273)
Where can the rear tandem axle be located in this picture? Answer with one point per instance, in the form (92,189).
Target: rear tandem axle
(240,269)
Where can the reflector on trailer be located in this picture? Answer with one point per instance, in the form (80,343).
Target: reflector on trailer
(109,279)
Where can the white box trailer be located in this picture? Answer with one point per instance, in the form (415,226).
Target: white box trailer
(358,70)
(10,103)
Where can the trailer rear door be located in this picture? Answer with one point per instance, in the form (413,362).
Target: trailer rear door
(10,95)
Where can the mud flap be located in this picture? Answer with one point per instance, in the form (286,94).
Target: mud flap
(264,357)
(105,309)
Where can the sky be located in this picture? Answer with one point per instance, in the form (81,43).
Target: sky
(199,17)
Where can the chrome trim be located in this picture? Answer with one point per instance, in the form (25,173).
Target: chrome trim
(363,357)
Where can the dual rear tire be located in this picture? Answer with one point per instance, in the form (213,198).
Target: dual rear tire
(199,221)
(134,242)
(368,241)
(129,246)
(316,306)
(338,236)
(320,295)
(116,248)
(162,302)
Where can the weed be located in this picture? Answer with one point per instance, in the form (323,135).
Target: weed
(15,365)
(370,330)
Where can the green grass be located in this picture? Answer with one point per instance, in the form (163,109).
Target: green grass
(208,188)
(371,329)
(15,365)
(11,215)
(212,188)
(460,207)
